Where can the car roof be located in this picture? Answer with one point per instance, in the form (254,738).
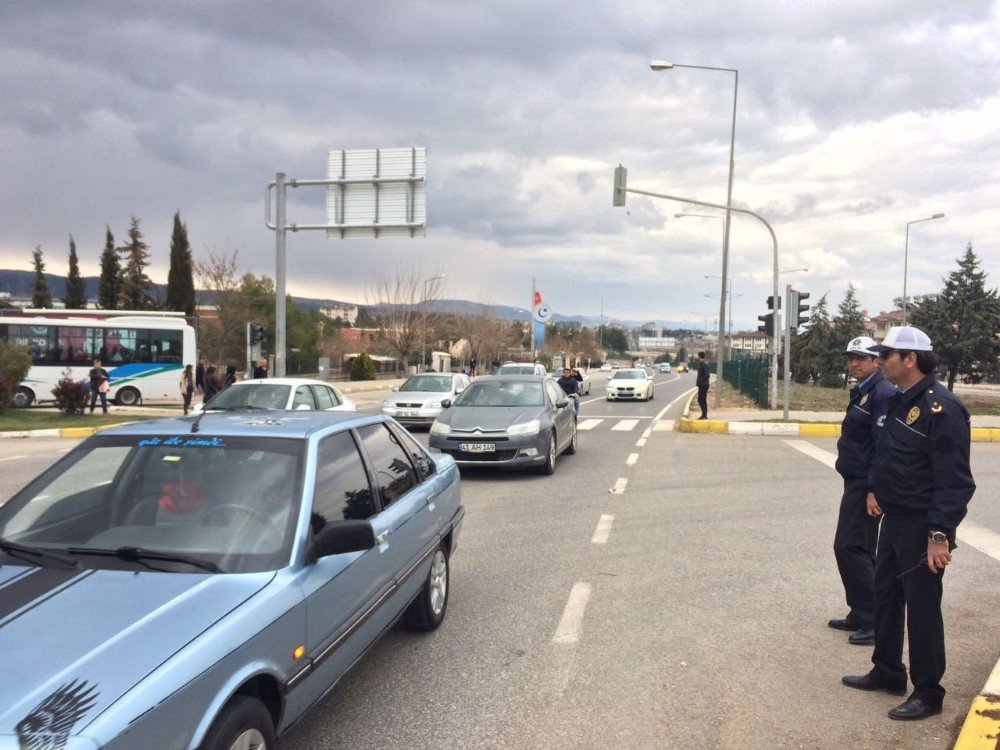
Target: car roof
(512,378)
(631,369)
(279,381)
(248,423)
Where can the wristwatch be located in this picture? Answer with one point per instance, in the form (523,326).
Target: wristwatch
(938,537)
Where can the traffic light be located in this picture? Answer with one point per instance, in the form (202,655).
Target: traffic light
(799,308)
(768,321)
(257,334)
(619,196)
(773,303)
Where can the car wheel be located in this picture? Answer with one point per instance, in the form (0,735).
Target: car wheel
(549,467)
(427,610)
(127,397)
(22,398)
(608,398)
(244,724)
(571,448)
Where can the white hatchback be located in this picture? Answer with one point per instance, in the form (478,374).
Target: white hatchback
(292,394)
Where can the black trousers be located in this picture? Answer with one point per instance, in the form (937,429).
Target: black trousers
(703,399)
(917,595)
(854,548)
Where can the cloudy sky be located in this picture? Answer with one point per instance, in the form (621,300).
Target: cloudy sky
(853,118)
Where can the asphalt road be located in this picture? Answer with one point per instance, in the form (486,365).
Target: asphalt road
(686,609)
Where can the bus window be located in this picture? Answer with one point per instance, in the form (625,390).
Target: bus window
(166,346)
(76,345)
(119,345)
(40,341)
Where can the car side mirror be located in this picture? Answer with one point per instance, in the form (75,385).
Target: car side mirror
(649,377)
(341,537)
(562,403)
(446,403)
(459,391)
(395,388)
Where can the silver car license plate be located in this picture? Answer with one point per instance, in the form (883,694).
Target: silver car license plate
(477,447)
(409,414)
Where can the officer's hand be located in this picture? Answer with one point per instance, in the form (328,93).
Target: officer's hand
(873,508)
(937,556)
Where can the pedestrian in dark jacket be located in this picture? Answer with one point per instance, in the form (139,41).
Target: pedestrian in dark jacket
(210,386)
(230,375)
(923,484)
(702,382)
(187,386)
(857,532)
(199,376)
(99,380)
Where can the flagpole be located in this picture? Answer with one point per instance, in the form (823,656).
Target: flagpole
(531,318)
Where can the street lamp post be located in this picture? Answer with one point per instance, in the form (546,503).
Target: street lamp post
(663,65)
(906,256)
(423,332)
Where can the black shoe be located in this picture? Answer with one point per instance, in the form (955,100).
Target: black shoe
(864,637)
(912,709)
(703,417)
(846,624)
(867,682)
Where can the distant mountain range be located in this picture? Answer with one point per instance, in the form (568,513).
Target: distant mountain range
(21,285)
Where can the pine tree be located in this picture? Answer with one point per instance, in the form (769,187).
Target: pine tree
(109,293)
(815,355)
(962,321)
(134,293)
(76,291)
(180,278)
(848,323)
(42,296)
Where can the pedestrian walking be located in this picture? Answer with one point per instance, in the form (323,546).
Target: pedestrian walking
(230,376)
(199,376)
(702,382)
(187,386)
(210,386)
(260,370)
(857,532)
(99,380)
(923,484)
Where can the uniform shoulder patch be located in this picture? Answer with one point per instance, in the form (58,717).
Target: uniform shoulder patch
(864,400)
(913,415)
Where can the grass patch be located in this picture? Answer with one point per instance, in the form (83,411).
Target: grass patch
(15,420)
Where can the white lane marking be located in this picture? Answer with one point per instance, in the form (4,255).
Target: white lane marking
(65,450)
(620,484)
(983,539)
(12,458)
(589,424)
(632,458)
(813,451)
(603,530)
(617,416)
(640,442)
(624,425)
(572,617)
(648,431)
(663,424)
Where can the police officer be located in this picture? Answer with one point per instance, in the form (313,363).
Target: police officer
(857,532)
(923,485)
(702,382)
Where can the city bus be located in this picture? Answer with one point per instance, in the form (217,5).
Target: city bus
(144,353)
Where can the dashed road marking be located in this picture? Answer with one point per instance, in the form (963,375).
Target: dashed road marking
(632,458)
(813,451)
(589,424)
(603,530)
(625,425)
(647,432)
(620,484)
(12,458)
(640,442)
(572,617)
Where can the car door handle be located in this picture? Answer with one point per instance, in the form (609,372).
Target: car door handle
(383,537)
(431,498)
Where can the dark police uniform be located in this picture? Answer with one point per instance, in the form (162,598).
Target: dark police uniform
(923,483)
(702,382)
(857,532)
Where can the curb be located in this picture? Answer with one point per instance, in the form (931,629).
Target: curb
(64,432)
(388,385)
(796,429)
(981,729)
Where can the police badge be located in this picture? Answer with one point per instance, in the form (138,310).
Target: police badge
(913,416)
(864,399)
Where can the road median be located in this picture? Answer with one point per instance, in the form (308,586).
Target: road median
(811,429)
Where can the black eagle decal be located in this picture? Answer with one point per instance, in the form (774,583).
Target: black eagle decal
(48,725)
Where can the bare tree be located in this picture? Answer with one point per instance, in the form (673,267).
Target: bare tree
(221,340)
(399,304)
(489,337)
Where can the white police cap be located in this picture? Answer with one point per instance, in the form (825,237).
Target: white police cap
(864,345)
(906,338)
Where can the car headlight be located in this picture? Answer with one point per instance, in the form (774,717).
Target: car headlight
(440,428)
(525,428)
(388,405)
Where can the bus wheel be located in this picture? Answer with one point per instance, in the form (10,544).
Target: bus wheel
(128,397)
(22,398)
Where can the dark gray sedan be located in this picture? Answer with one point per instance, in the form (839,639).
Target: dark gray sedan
(510,421)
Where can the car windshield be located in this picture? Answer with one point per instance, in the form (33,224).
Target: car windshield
(232,502)
(629,375)
(502,393)
(517,370)
(262,395)
(428,384)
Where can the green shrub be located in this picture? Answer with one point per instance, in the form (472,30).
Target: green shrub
(15,361)
(831,380)
(362,368)
(71,395)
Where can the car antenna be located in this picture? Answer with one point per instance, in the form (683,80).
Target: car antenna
(197,422)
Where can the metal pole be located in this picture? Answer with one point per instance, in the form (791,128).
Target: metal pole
(279,276)
(725,246)
(790,314)
(906,259)
(531,319)
(774,241)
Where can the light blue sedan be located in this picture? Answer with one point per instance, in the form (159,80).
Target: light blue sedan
(202,582)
